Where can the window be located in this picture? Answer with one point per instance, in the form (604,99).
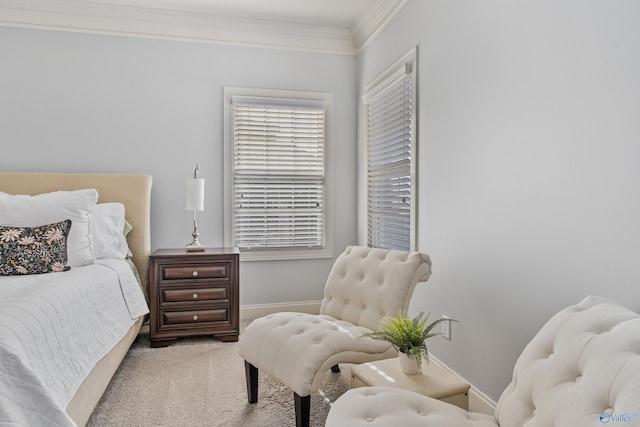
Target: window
(391,136)
(277,190)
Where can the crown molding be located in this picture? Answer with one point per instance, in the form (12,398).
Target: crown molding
(197,26)
(373,19)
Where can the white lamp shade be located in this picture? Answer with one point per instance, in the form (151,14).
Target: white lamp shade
(195,194)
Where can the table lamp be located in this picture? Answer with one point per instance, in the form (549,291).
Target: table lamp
(195,202)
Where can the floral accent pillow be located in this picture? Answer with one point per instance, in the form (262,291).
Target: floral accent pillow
(34,250)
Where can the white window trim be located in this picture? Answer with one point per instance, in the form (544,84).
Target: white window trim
(287,97)
(406,64)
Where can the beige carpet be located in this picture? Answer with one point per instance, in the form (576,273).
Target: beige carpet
(201,382)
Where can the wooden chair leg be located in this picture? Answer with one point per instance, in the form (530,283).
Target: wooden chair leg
(251,373)
(335,368)
(303,409)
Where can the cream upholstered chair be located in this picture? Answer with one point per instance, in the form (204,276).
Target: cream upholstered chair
(364,286)
(581,369)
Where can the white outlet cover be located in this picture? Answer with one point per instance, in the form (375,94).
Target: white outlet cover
(446,327)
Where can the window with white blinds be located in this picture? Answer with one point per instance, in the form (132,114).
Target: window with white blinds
(277,161)
(391,117)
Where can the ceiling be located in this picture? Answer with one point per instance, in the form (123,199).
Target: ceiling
(331,26)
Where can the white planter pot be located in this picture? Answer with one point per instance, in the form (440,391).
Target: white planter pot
(408,364)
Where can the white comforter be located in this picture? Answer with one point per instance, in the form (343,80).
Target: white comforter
(54,328)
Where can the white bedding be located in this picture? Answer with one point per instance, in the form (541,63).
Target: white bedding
(54,328)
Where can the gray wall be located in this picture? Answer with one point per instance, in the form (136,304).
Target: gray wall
(73,102)
(529,143)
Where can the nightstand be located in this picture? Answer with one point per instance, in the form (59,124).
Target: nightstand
(434,381)
(193,293)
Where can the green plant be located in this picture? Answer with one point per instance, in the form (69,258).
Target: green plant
(408,335)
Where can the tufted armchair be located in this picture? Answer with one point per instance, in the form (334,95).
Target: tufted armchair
(364,285)
(581,369)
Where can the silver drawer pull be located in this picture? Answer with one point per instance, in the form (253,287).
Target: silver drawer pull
(195,317)
(195,296)
(195,273)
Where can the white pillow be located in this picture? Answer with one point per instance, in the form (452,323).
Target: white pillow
(107,231)
(32,211)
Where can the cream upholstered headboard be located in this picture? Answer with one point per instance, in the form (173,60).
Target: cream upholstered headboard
(132,190)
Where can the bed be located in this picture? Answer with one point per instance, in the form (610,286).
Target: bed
(85,381)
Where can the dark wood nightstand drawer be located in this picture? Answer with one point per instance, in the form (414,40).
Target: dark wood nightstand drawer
(195,271)
(194,294)
(195,316)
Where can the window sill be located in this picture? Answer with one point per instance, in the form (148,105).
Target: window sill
(284,254)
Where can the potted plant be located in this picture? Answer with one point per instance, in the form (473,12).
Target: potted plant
(409,337)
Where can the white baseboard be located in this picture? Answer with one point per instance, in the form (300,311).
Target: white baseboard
(250,312)
(478,401)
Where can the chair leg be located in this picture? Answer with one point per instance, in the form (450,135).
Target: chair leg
(251,372)
(303,409)
(335,368)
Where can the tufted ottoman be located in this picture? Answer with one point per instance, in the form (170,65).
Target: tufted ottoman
(297,349)
(581,369)
(390,407)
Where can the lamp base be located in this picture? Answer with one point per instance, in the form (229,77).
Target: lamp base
(195,247)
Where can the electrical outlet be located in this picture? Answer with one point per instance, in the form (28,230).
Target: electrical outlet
(446,327)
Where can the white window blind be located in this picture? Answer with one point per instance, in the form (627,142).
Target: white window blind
(390,142)
(278,176)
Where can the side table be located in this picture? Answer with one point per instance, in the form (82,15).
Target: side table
(193,293)
(434,381)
